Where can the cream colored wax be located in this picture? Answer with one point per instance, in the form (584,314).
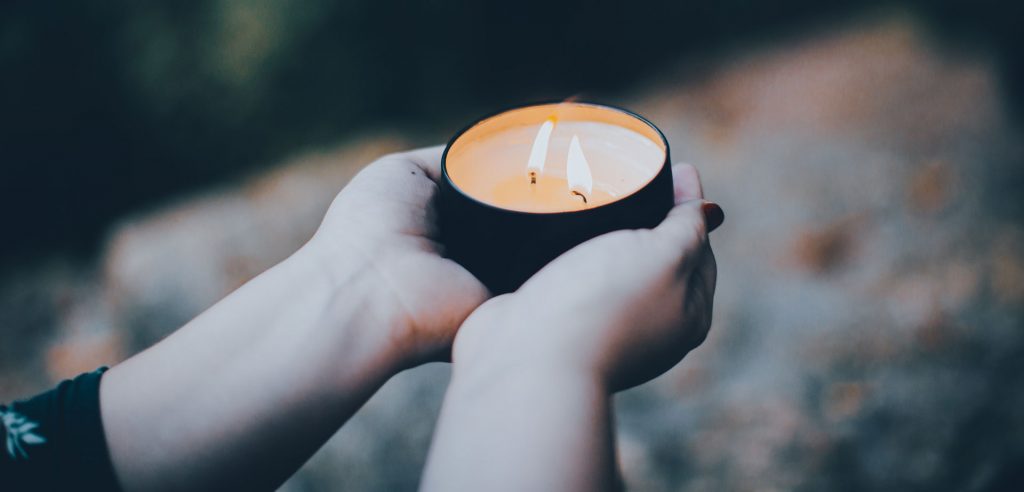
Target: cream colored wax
(489,161)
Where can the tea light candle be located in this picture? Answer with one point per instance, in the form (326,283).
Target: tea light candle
(522,186)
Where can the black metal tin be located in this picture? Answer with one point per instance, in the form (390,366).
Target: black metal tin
(503,248)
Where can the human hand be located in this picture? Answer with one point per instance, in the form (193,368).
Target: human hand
(622,308)
(381,226)
(316,335)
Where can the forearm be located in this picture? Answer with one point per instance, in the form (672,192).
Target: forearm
(523,429)
(241,396)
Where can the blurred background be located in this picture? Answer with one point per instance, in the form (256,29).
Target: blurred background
(868,154)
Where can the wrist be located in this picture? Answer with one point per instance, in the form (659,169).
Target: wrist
(355,321)
(487,351)
(500,379)
(420,299)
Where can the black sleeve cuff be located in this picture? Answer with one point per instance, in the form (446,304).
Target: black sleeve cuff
(73,454)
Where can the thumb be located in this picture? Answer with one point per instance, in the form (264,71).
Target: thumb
(684,223)
(689,222)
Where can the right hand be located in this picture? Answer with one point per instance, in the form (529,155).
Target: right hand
(622,308)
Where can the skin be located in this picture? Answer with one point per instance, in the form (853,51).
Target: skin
(528,407)
(246,392)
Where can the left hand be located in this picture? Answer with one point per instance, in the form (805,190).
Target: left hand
(647,305)
(382,226)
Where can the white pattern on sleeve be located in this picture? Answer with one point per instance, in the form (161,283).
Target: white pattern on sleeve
(20,433)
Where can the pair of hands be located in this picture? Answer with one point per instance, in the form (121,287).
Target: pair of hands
(371,294)
(624,307)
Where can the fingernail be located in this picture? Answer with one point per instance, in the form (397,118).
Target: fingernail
(713,215)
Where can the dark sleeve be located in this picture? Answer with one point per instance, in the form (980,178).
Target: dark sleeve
(55,440)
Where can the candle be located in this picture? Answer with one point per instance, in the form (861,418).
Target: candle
(525,185)
(528,165)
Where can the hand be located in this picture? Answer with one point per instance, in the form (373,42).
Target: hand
(273,369)
(624,307)
(528,406)
(382,225)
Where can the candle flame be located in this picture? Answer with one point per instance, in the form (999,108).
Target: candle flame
(577,171)
(539,151)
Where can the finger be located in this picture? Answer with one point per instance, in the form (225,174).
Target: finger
(427,159)
(688,186)
(686,181)
(685,225)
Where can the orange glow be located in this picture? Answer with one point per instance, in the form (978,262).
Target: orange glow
(599,153)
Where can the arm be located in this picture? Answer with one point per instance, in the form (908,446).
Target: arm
(523,428)
(246,392)
(528,407)
(242,395)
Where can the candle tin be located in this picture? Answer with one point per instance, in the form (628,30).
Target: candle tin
(503,248)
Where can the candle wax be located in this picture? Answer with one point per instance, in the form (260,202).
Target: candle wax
(491,166)
(550,192)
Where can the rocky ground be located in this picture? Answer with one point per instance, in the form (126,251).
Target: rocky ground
(868,324)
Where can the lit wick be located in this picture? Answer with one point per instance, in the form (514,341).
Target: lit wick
(539,152)
(577,171)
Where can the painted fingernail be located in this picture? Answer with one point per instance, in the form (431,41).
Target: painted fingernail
(713,215)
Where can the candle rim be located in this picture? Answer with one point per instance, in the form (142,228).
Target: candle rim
(645,121)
